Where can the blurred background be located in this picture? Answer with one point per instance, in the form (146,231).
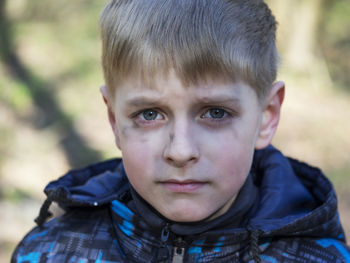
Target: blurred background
(52,117)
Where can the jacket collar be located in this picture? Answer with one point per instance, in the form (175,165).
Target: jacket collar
(235,217)
(294,199)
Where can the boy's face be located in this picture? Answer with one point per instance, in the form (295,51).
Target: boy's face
(187,150)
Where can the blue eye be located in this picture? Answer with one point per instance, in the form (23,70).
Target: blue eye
(150,115)
(215,113)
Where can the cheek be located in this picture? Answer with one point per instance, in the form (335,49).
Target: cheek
(236,167)
(229,144)
(231,154)
(140,151)
(137,164)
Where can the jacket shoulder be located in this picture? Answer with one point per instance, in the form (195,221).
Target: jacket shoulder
(79,234)
(325,250)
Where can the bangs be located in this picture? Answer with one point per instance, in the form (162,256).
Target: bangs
(196,38)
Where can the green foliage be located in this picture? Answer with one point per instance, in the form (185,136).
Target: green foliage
(14,195)
(6,135)
(52,11)
(14,93)
(335,41)
(53,48)
(339,177)
(338,20)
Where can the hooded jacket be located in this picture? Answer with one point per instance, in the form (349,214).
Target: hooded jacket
(285,212)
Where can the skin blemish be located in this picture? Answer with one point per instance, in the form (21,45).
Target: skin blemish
(125,130)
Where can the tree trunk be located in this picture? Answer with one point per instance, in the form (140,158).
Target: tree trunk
(299,21)
(48,111)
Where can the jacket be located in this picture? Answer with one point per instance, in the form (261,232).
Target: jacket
(285,212)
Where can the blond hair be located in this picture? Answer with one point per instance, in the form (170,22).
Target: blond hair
(231,38)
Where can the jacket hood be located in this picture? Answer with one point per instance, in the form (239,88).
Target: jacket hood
(293,199)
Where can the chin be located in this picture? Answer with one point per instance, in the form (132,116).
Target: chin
(186,217)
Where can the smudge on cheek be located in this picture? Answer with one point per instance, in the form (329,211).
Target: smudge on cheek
(140,147)
(125,131)
(134,141)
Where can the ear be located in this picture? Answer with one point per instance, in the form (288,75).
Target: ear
(271,115)
(111,114)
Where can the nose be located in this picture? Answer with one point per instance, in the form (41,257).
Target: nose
(181,148)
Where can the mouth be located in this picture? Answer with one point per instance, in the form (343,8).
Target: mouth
(186,186)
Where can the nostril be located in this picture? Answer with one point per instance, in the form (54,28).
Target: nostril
(181,159)
(178,164)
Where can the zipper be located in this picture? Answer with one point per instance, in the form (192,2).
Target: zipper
(178,255)
(163,252)
(178,248)
(179,251)
(165,233)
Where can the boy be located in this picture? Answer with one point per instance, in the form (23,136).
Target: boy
(192,102)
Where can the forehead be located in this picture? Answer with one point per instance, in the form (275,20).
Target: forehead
(163,84)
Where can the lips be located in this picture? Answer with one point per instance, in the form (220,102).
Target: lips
(186,186)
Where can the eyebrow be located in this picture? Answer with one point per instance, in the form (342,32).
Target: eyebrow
(142,100)
(208,100)
(219,99)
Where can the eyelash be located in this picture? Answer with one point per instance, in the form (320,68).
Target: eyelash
(208,111)
(139,116)
(148,110)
